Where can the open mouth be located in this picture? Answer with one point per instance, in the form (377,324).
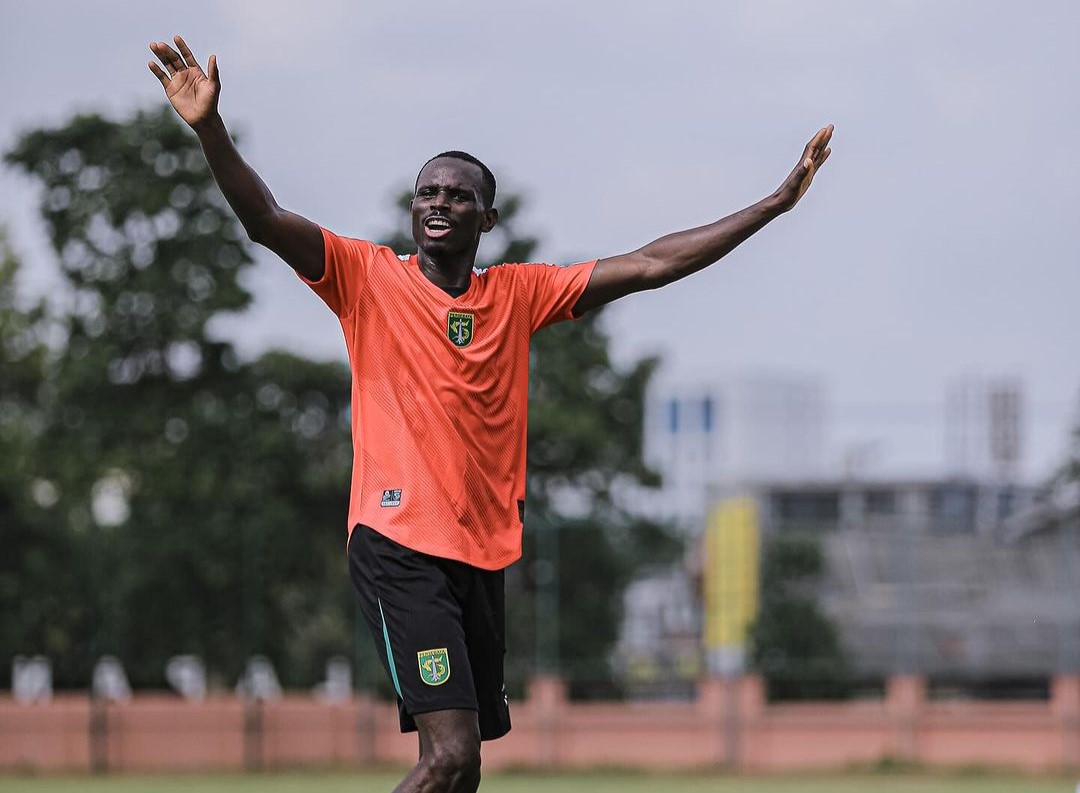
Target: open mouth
(436,227)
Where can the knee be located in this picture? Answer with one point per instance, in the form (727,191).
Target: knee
(455,762)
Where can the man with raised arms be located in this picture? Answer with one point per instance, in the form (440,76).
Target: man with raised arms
(439,353)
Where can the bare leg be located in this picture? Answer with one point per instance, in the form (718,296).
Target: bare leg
(449,754)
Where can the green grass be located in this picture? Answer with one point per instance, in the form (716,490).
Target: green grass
(599,782)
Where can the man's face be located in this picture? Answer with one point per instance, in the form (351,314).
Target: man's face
(448,214)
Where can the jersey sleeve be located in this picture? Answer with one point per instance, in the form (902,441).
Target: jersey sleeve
(553,290)
(347,262)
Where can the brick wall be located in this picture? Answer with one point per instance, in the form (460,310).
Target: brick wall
(729,725)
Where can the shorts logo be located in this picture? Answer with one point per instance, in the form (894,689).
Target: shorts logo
(391,498)
(459,328)
(434,666)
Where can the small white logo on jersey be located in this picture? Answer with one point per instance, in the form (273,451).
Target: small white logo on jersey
(391,498)
(404,257)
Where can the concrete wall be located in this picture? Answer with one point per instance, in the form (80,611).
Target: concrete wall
(729,725)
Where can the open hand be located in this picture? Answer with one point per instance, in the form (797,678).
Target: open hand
(192,92)
(813,157)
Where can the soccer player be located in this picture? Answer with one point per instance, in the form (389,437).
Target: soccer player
(439,353)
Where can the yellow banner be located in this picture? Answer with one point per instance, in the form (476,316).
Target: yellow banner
(731,572)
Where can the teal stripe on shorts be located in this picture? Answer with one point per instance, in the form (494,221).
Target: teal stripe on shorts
(389,653)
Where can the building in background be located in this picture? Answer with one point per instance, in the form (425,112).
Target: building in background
(706,435)
(958,576)
(946,578)
(658,655)
(969,582)
(983,427)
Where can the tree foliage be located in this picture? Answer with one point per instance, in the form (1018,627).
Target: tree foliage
(200,496)
(795,646)
(33,600)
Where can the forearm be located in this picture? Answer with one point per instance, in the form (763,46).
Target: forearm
(194,96)
(678,255)
(245,191)
(673,256)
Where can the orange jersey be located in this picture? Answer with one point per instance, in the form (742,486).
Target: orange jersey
(440,389)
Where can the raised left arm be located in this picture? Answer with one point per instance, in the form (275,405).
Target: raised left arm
(678,255)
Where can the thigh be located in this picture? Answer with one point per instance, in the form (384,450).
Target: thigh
(417,622)
(485,635)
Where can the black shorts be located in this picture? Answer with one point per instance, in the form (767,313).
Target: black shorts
(439,627)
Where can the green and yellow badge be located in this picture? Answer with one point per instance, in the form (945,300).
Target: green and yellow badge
(434,666)
(459,328)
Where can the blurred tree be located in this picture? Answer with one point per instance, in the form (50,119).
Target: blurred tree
(40,611)
(22,368)
(202,495)
(581,547)
(795,646)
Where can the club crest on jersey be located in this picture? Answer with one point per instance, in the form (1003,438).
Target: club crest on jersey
(434,666)
(459,328)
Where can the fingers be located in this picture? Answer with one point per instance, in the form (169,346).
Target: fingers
(814,153)
(811,164)
(821,138)
(185,52)
(169,57)
(825,138)
(212,71)
(160,74)
(811,147)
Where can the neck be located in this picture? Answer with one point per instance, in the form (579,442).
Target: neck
(452,270)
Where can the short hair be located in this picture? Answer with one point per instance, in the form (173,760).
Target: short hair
(488,183)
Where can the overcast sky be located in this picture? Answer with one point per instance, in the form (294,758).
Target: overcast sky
(939,240)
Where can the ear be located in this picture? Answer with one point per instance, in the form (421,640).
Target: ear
(491,217)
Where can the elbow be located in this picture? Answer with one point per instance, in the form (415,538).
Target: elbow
(655,274)
(660,272)
(259,228)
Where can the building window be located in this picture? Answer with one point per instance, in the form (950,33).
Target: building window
(881,502)
(952,510)
(808,511)
(1006,503)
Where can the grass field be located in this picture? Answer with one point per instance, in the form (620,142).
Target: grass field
(550,783)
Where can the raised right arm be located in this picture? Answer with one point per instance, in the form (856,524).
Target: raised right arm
(194,96)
